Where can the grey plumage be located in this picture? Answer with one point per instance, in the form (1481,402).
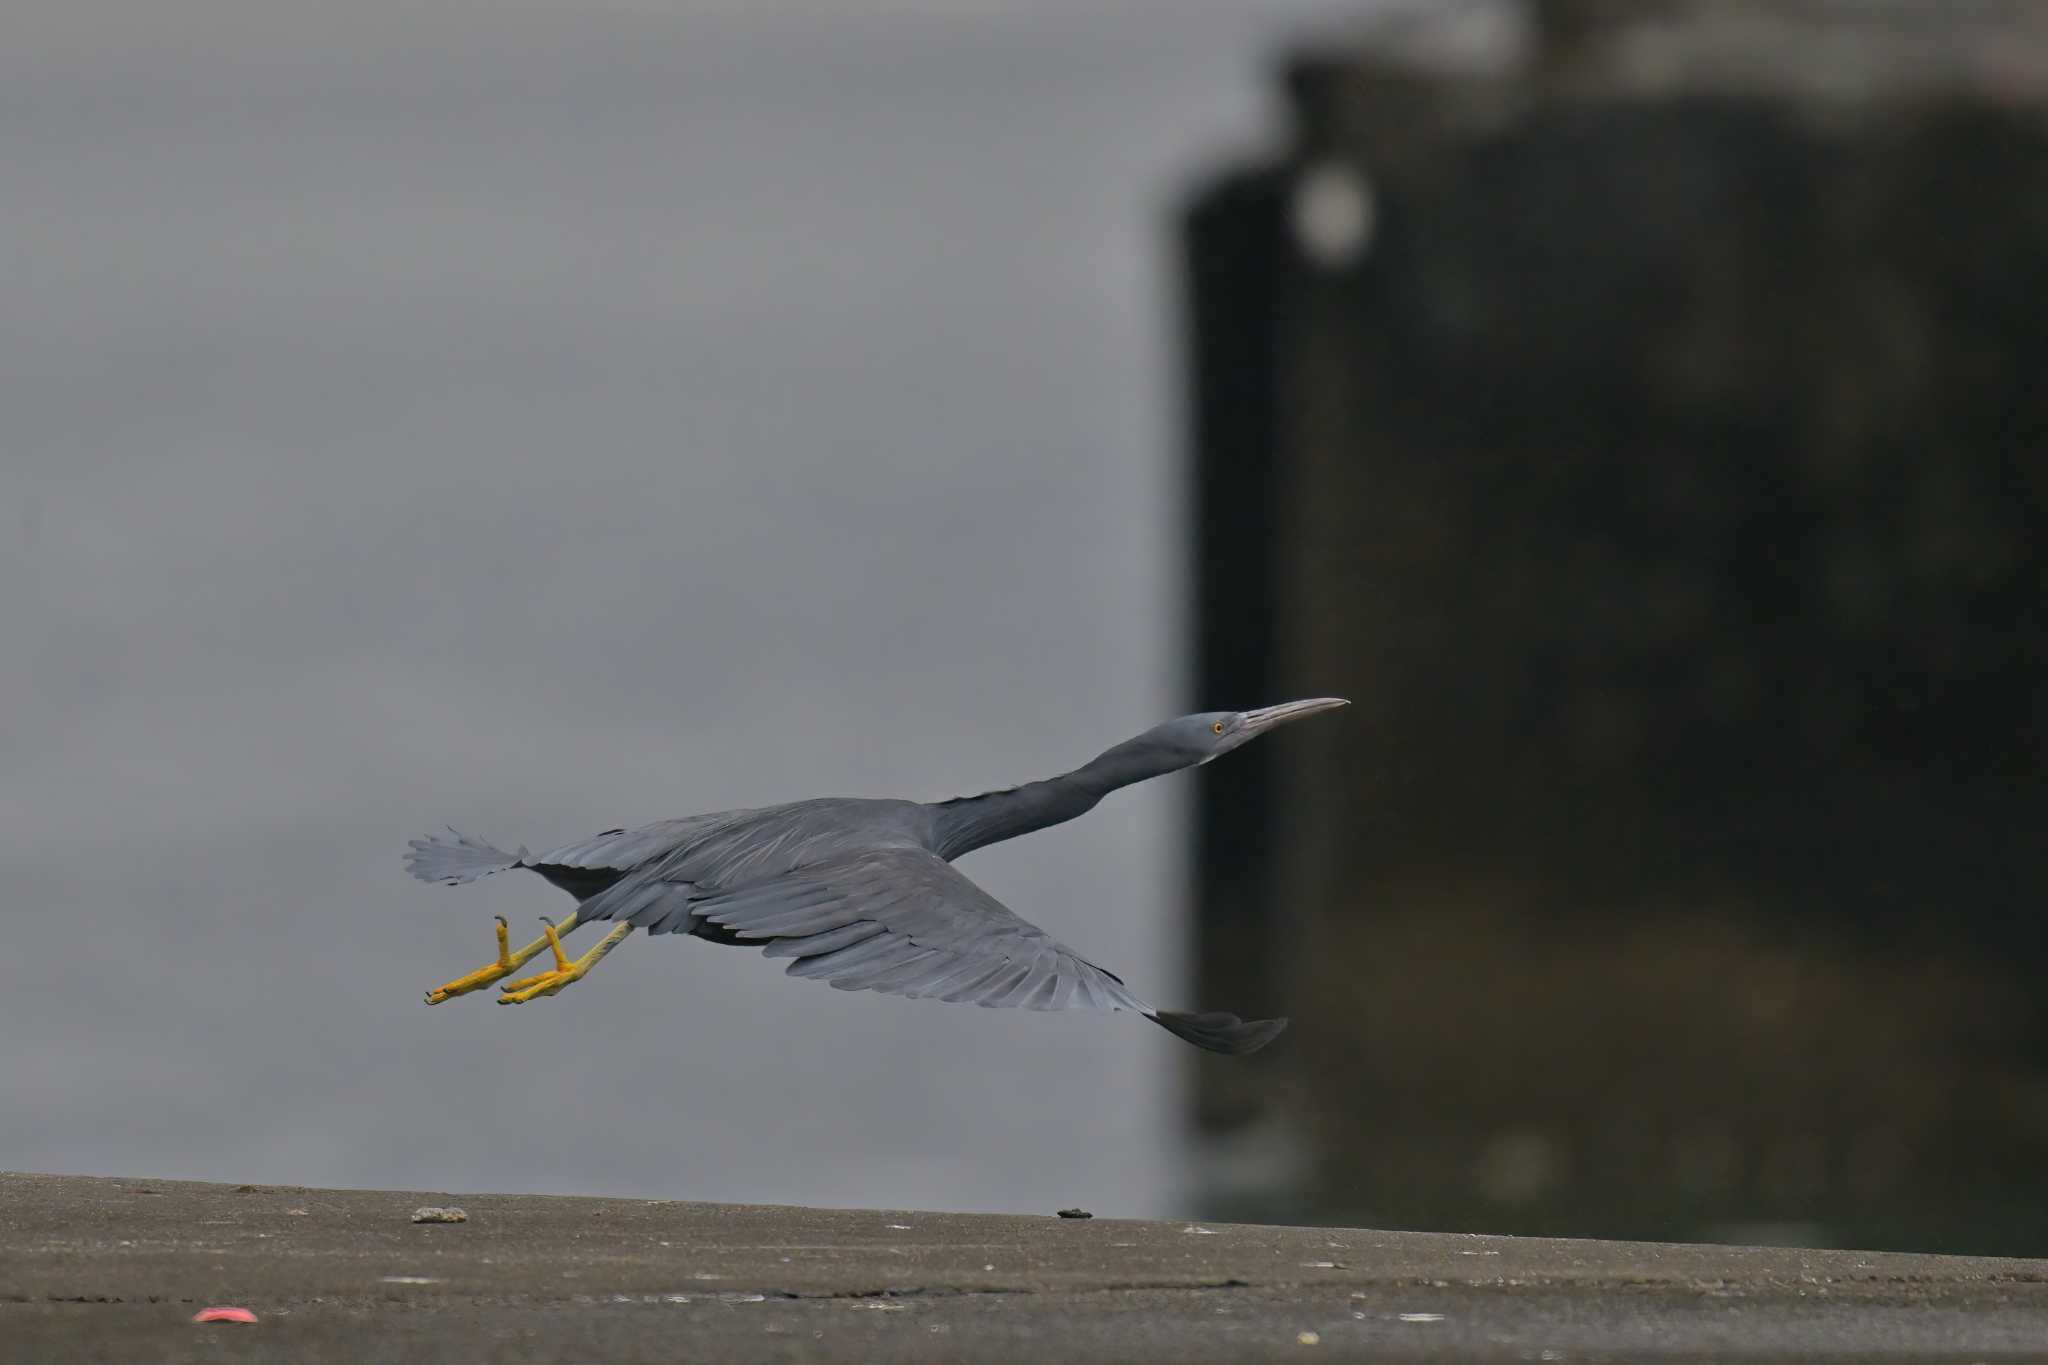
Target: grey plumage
(458,859)
(861,893)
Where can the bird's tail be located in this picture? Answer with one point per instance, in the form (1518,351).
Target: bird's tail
(1219,1032)
(453,861)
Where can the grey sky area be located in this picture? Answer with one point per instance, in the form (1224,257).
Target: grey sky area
(540,419)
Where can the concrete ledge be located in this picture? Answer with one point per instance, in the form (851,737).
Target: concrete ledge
(98,1269)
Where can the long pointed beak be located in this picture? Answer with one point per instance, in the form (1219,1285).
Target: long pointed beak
(1265,718)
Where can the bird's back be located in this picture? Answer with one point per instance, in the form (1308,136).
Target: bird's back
(725,849)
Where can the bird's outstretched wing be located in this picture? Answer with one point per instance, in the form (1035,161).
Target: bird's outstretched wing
(904,922)
(900,920)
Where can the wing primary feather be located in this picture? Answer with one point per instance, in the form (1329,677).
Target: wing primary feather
(1018,991)
(918,984)
(1042,994)
(1064,983)
(883,975)
(1001,985)
(843,960)
(1219,1032)
(1086,993)
(972,988)
(963,970)
(817,945)
(746,909)
(796,924)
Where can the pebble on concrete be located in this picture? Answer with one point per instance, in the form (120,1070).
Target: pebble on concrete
(433,1215)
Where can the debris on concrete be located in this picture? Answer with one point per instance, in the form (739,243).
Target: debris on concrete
(223,1315)
(433,1215)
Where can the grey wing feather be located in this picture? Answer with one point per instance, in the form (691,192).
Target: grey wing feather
(625,849)
(831,940)
(904,922)
(608,862)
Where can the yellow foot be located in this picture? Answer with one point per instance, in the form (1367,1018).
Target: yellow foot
(531,987)
(482,976)
(564,972)
(507,963)
(543,983)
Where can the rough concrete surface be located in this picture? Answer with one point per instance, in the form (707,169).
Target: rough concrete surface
(113,1270)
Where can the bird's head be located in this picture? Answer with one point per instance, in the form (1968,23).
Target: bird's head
(1211,734)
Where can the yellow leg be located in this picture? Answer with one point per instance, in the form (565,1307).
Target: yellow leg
(553,940)
(565,971)
(507,963)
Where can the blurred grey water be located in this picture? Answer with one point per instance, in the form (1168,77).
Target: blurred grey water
(544,418)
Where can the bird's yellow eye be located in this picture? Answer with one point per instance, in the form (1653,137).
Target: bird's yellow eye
(1217,727)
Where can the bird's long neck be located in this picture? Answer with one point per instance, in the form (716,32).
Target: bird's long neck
(970,822)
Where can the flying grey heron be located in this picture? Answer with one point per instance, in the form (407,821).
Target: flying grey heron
(861,893)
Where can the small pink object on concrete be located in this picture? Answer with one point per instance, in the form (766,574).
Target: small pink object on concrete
(223,1315)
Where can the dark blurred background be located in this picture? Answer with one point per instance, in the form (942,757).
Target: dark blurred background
(1637,408)
(542,417)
